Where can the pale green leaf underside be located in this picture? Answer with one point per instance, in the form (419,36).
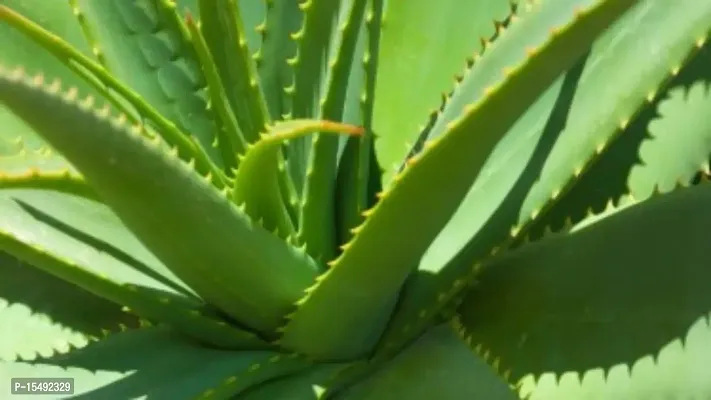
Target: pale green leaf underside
(618,291)
(84,244)
(680,142)
(41,315)
(154,363)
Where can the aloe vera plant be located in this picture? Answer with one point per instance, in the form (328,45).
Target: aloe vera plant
(274,200)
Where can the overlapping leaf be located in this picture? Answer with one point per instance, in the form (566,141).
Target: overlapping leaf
(614,292)
(390,242)
(549,148)
(40,314)
(198,243)
(155,363)
(438,365)
(423,47)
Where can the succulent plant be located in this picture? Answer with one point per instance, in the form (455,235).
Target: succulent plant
(274,200)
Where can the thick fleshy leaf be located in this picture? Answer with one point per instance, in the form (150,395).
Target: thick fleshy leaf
(42,315)
(41,169)
(282,19)
(605,297)
(317,230)
(680,142)
(212,246)
(308,385)
(223,27)
(83,243)
(256,182)
(110,89)
(229,137)
(438,365)
(544,154)
(154,363)
(358,177)
(143,44)
(609,178)
(316,41)
(26,161)
(435,39)
(388,245)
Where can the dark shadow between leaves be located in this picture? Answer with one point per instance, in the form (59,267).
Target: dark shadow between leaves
(608,294)
(99,245)
(64,303)
(157,363)
(424,283)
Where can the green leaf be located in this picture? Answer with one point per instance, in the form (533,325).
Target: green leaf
(358,178)
(308,385)
(606,296)
(154,363)
(55,17)
(145,47)
(619,170)
(221,23)
(83,243)
(230,139)
(42,169)
(41,315)
(253,17)
(256,181)
(438,365)
(21,149)
(283,18)
(435,40)
(101,80)
(211,245)
(317,230)
(316,42)
(680,142)
(540,158)
(420,190)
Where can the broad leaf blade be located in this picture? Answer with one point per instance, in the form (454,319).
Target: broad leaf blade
(211,245)
(42,315)
(155,363)
(84,244)
(390,242)
(544,154)
(423,46)
(438,365)
(612,293)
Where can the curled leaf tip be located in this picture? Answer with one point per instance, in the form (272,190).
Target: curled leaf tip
(342,128)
